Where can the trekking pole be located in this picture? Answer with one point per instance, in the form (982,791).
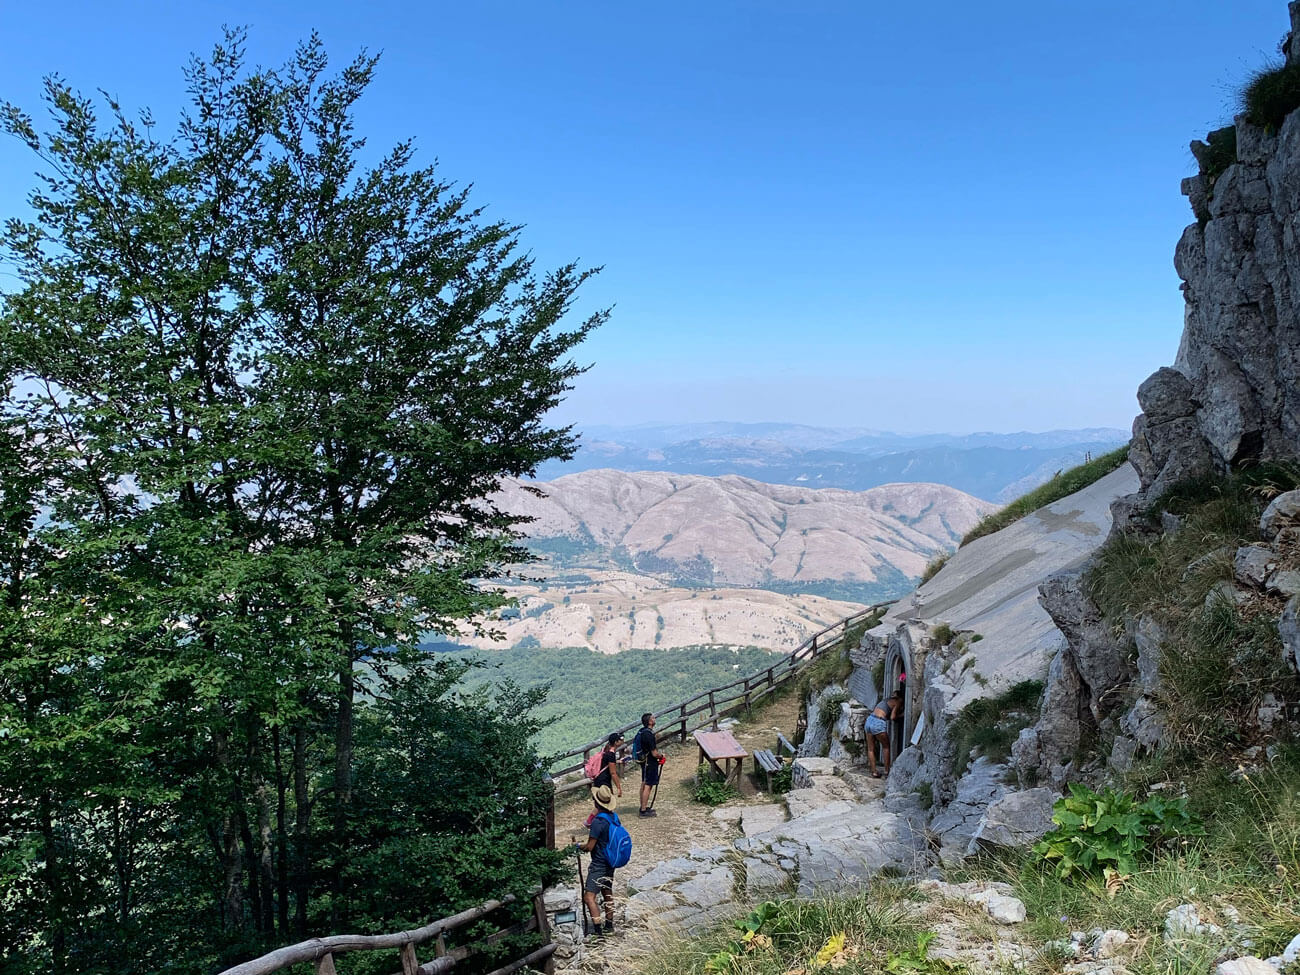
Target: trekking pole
(586,918)
(655,794)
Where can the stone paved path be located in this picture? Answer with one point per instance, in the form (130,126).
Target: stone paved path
(831,836)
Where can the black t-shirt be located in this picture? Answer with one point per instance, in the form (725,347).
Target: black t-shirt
(648,742)
(604,778)
(599,831)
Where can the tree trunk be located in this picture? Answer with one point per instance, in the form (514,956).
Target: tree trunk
(301,835)
(281,839)
(342,782)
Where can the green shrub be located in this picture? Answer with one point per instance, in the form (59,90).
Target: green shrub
(933,566)
(830,709)
(1271,94)
(926,791)
(709,790)
(1219,153)
(992,724)
(942,635)
(1109,831)
(917,960)
(783,778)
(1061,486)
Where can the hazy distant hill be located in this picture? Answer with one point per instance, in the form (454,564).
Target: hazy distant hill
(686,529)
(659,560)
(995,466)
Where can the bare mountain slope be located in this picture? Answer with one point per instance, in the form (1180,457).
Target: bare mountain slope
(735,531)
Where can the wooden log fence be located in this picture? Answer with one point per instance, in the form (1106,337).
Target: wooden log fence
(321,952)
(719,702)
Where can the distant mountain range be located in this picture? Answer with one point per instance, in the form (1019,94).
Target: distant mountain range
(993,466)
(696,531)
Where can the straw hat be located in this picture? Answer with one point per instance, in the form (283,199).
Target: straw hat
(604,797)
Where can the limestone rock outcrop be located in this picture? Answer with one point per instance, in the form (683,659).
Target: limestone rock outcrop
(1233,394)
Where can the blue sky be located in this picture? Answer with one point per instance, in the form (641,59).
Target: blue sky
(951,217)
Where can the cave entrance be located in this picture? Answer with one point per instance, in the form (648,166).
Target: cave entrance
(899,680)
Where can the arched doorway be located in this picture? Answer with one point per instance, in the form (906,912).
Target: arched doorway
(899,680)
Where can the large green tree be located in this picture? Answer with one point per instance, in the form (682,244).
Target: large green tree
(262,381)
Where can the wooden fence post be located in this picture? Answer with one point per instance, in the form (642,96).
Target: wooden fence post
(548,838)
(409,964)
(713,711)
(325,965)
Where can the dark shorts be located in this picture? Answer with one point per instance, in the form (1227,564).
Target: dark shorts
(650,771)
(599,878)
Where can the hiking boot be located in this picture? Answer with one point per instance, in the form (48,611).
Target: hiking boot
(598,931)
(647,812)
(608,928)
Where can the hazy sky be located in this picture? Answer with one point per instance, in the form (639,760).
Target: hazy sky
(954,216)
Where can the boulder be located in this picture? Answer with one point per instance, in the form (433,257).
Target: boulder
(1253,564)
(1285,581)
(1165,395)
(1148,636)
(1282,512)
(1016,820)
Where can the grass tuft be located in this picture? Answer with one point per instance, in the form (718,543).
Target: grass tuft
(1219,657)
(992,724)
(1061,486)
(1271,94)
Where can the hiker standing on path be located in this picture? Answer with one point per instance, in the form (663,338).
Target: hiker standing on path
(646,746)
(609,776)
(600,875)
(878,730)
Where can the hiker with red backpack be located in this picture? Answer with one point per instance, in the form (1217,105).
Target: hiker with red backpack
(602,769)
(610,847)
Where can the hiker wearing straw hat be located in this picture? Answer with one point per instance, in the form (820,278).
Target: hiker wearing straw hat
(600,876)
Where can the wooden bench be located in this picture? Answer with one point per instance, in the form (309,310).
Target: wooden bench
(782,743)
(768,763)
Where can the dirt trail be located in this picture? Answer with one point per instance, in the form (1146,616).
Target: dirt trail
(681,824)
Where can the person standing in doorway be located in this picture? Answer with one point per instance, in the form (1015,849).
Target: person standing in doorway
(652,760)
(878,731)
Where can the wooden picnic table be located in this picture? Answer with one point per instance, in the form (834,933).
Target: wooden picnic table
(721,746)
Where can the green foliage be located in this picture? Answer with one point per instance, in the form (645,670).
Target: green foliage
(748,927)
(829,711)
(1271,94)
(859,932)
(599,692)
(1218,658)
(1219,152)
(783,778)
(269,378)
(917,961)
(933,566)
(926,791)
(942,635)
(1110,831)
(709,790)
(992,724)
(831,667)
(1060,486)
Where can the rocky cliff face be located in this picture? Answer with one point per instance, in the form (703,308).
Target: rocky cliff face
(1233,394)
(1011,621)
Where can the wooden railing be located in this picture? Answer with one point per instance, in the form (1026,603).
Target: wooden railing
(320,952)
(708,707)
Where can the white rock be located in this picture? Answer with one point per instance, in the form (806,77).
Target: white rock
(1249,965)
(1184,921)
(1292,951)
(1108,943)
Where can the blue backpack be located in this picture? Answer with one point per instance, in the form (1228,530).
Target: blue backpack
(618,843)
